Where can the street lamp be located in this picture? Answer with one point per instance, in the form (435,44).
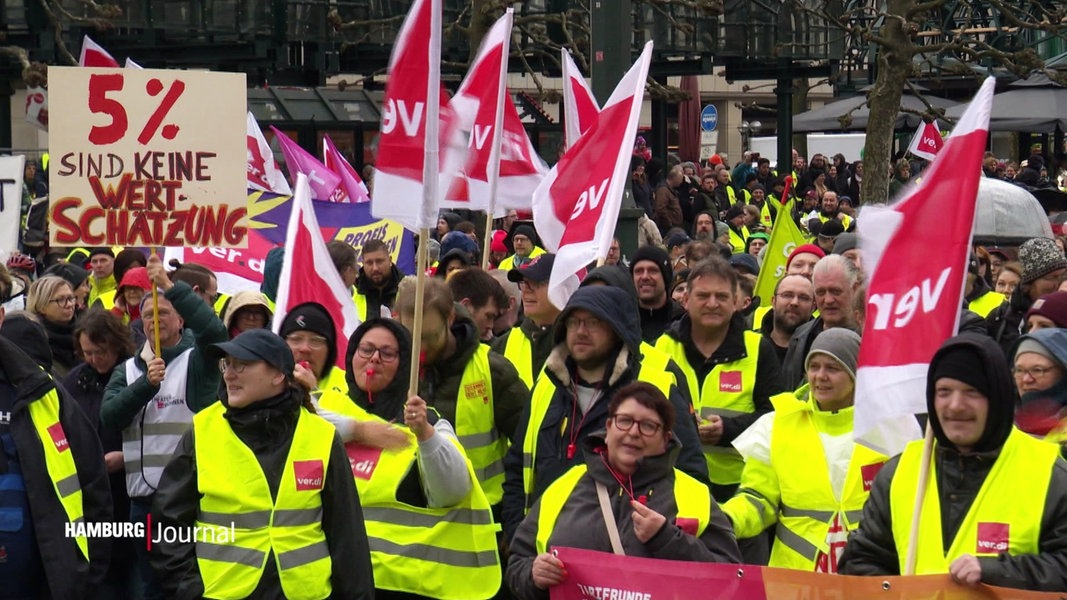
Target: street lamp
(748,129)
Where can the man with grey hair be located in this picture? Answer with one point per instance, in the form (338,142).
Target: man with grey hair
(836,280)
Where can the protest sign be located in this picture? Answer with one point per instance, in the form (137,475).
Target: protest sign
(139,159)
(11,170)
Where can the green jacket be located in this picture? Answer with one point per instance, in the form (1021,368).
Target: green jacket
(123,399)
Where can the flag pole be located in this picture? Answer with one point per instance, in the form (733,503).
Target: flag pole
(493,170)
(430,168)
(155,311)
(920,494)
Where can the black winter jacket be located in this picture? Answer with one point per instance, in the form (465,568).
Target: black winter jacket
(267,428)
(580,523)
(871,549)
(377,297)
(68,574)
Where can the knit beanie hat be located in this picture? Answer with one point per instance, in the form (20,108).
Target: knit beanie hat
(1040,256)
(1029,344)
(314,318)
(963,363)
(1051,306)
(658,256)
(845,242)
(805,249)
(525,230)
(840,344)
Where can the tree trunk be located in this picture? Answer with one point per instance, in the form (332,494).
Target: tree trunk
(894,67)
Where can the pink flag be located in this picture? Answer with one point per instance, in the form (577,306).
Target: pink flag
(502,168)
(580,107)
(350,180)
(914,295)
(304,280)
(325,184)
(406,184)
(94,55)
(263,172)
(577,205)
(927,141)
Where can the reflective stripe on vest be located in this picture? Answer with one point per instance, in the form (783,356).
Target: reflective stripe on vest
(149,440)
(519,351)
(726,392)
(476,425)
(986,303)
(691,497)
(59,460)
(289,527)
(448,553)
(807,503)
(1006,514)
(652,371)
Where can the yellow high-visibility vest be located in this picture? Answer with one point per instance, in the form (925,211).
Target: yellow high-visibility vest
(241,526)
(59,461)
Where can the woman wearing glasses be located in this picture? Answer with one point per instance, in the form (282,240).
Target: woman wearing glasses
(627,498)
(1041,379)
(52,299)
(430,527)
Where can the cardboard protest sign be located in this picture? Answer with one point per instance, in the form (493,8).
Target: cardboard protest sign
(11,170)
(147,158)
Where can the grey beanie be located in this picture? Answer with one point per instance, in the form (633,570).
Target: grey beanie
(1029,344)
(845,242)
(1040,256)
(843,345)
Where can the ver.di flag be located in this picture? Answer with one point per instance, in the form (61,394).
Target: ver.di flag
(580,108)
(263,172)
(94,55)
(350,180)
(324,183)
(927,141)
(916,252)
(577,205)
(303,278)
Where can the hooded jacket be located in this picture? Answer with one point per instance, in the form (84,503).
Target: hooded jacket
(619,310)
(581,524)
(389,402)
(377,297)
(67,573)
(871,549)
(267,427)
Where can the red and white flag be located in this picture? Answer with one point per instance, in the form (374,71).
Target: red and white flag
(325,184)
(409,171)
(350,180)
(94,55)
(502,169)
(263,172)
(580,107)
(927,141)
(577,206)
(914,295)
(304,280)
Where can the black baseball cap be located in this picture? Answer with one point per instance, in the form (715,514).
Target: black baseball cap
(258,344)
(538,269)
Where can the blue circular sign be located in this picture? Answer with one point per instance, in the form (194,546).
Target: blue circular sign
(709,118)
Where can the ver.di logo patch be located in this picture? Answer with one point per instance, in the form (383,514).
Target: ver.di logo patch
(309,474)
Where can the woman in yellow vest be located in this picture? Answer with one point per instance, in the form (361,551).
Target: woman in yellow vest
(268,488)
(430,526)
(803,469)
(627,498)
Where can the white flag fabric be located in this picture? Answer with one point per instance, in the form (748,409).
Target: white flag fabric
(916,252)
(576,207)
(927,141)
(580,107)
(263,172)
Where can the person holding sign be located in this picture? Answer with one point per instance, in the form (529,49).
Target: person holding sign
(993,509)
(430,525)
(267,485)
(626,497)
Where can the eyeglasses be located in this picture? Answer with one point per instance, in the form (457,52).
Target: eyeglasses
(385,354)
(790,296)
(315,342)
(237,366)
(590,323)
(1034,372)
(626,422)
(64,300)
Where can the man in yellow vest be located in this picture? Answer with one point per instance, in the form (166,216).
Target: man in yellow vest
(527,344)
(803,470)
(102,284)
(597,352)
(377,282)
(475,389)
(731,373)
(53,477)
(978,296)
(735,220)
(523,240)
(290,525)
(993,511)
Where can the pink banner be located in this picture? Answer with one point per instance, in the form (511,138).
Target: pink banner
(601,576)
